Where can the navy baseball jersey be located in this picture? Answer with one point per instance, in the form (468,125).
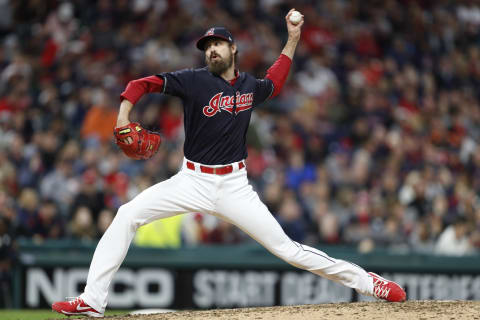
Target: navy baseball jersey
(216,113)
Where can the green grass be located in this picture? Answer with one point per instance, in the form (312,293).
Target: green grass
(42,314)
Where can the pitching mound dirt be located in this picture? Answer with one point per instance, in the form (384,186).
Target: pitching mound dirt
(410,310)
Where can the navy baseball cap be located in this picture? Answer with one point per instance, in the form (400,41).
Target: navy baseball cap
(215,32)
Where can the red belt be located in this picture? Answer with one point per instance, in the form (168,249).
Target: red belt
(215,170)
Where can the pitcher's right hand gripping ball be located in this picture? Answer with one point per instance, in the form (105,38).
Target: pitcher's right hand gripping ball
(143,144)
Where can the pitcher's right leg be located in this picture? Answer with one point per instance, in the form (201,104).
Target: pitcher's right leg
(180,194)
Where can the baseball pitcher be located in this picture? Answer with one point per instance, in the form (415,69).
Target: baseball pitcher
(218,101)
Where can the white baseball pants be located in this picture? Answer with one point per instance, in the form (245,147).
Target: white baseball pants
(228,197)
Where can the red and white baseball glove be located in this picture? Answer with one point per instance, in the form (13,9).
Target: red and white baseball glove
(143,144)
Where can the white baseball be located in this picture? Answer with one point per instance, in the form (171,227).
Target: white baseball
(295,17)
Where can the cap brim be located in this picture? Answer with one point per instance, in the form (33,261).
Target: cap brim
(202,40)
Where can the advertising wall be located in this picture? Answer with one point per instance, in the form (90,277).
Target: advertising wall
(225,277)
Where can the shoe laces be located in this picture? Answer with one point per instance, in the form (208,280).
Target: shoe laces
(73,300)
(380,290)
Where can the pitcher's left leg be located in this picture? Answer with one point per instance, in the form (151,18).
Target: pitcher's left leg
(244,209)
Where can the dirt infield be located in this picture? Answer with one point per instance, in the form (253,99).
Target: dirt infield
(422,310)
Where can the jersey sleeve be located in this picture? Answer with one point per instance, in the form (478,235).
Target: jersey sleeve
(137,88)
(263,90)
(278,73)
(273,82)
(177,83)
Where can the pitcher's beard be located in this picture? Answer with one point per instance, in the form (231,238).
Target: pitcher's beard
(219,66)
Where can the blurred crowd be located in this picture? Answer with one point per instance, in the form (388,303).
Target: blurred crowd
(374,141)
